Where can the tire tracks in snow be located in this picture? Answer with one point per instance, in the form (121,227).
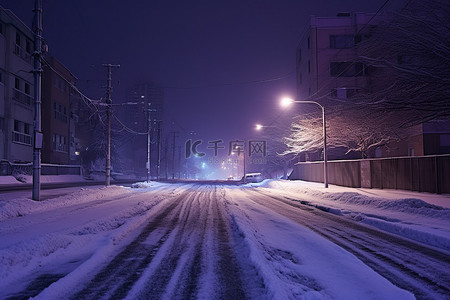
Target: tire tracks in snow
(201,259)
(186,251)
(419,269)
(117,278)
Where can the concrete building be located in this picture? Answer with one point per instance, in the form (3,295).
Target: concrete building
(16,89)
(326,55)
(58,124)
(328,70)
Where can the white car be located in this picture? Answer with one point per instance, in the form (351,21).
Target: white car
(253,177)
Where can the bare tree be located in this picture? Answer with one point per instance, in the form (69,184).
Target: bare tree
(410,62)
(275,164)
(348,128)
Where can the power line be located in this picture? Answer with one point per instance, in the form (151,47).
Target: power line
(83,96)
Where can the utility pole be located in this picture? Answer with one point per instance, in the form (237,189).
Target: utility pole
(166,156)
(108,120)
(158,124)
(37,71)
(174,136)
(149,141)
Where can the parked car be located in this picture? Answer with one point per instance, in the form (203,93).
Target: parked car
(252,177)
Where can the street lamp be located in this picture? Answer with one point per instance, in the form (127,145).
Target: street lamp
(259,127)
(288,101)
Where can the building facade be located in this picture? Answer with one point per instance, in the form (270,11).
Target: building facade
(16,89)
(326,54)
(57,120)
(328,71)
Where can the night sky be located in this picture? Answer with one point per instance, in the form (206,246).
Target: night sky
(214,58)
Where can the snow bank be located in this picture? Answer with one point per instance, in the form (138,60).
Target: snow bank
(415,217)
(5,180)
(17,207)
(146,185)
(296,263)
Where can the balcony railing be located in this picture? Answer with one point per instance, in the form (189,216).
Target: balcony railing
(21,97)
(19,51)
(21,138)
(60,147)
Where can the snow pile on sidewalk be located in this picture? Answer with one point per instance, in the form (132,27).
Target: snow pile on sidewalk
(75,230)
(17,207)
(414,217)
(6,180)
(146,185)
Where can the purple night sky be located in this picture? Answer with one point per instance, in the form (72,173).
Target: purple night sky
(204,52)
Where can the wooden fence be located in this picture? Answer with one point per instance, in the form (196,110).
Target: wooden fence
(416,173)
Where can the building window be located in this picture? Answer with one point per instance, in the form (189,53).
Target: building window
(343,93)
(344,41)
(21,133)
(19,50)
(61,84)
(27,88)
(341,41)
(60,112)
(23,97)
(26,128)
(347,69)
(309,67)
(60,143)
(309,42)
(28,47)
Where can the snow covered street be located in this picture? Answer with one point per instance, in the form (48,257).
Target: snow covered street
(273,240)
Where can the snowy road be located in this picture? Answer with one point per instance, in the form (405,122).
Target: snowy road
(419,269)
(200,241)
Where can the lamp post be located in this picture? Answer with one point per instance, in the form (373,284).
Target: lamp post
(286,102)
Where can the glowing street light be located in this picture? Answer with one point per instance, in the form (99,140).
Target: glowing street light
(288,101)
(260,127)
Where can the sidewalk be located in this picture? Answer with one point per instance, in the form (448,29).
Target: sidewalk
(442,200)
(11,183)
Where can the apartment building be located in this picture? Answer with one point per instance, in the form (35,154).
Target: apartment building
(326,55)
(328,70)
(16,89)
(58,126)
